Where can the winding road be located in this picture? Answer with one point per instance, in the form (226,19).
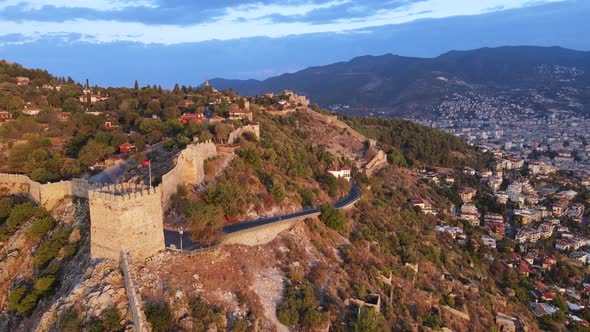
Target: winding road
(173,237)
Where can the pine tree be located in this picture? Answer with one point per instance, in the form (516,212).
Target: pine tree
(176,88)
(136,85)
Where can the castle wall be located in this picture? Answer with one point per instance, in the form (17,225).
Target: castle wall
(189,168)
(376,163)
(47,195)
(134,296)
(236,134)
(129,220)
(20,184)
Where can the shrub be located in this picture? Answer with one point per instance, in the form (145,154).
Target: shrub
(28,303)
(48,250)
(249,136)
(159,316)
(21,213)
(299,307)
(306,197)
(70,321)
(43,284)
(331,216)
(240,326)
(111,320)
(15,296)
(369,320)
(6,205)
(40,227)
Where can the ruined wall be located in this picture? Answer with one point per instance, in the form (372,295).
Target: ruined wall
(126,219)
(134,296)
(236,134)
(189,168)
(376,163)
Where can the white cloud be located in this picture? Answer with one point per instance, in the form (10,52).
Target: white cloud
(247,21)
(100,5)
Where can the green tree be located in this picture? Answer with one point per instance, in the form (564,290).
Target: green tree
(222,131)
(331,216)
(159,316)
(370,320)
(205,221)
(92,152)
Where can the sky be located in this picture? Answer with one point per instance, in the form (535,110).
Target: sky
(114,42)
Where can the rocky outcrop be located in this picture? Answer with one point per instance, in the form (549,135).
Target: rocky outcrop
(101,289)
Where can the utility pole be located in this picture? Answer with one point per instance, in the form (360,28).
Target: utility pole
(180,232)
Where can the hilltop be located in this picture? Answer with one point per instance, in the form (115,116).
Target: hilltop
(224,218)
(395,85)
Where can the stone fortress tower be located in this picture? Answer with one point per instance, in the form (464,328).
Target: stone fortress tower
(126,218)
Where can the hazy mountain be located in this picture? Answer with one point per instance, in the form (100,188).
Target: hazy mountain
(396,84)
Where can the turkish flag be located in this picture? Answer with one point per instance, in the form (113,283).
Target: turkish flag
(145,163)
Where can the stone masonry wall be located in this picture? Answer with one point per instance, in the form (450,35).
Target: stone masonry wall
(48,195)
(236,134)
(15,184)
(134,296)
(189,168)
(126,219)
(263,234)
(376,163)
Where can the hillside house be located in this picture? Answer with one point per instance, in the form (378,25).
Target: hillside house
(338,172)
(127,148)
(423,204)
(467,194)
(32,111)
(21,80)
(470,213)
(94,98)
(239,114)
(188,117)
(495,224)
(185,103)
(4,115)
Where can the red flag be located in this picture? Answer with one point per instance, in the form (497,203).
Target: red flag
(145,163)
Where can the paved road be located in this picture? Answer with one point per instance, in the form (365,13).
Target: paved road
(113,174)
(172,237)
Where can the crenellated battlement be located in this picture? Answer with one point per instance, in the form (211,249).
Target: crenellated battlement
(9,177)
(126,217)
(126,193)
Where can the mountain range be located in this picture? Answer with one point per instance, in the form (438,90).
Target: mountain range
(397,85)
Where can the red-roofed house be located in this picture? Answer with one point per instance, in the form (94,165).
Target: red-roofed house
(423,204)
(338,172)
(188,117)
(4,115)
(185,103)
(127,148)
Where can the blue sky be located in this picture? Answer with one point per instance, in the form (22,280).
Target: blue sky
(188,41)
